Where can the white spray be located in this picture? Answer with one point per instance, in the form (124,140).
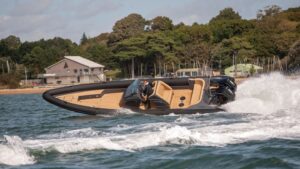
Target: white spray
(266,94)
(266,107)
(14,152)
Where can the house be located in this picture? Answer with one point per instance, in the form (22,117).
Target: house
(243,70)
(74,69)
(194,72)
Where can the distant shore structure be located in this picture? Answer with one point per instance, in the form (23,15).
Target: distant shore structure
(194,72)
(243,70)
(74,70)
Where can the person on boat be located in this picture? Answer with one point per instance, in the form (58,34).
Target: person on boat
(146,91)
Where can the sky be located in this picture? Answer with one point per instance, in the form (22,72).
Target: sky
(32,20)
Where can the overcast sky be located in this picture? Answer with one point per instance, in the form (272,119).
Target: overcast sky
(35,19)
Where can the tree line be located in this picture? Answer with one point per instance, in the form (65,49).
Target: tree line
(158,46)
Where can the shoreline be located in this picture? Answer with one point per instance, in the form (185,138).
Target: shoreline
(24,91)
(40,90)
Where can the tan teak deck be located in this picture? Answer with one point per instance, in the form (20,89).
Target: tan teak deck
(113,98)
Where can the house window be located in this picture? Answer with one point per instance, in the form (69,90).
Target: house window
(66,65)
(75,70)
(92,69)
(188,73)
(86,70)
(194,73)
(180,74)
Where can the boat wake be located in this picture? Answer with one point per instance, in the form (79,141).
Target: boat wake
(266,95)
(13,152)
(265,108)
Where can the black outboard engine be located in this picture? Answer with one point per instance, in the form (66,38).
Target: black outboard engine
(222,89)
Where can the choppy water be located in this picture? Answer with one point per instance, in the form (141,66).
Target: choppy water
(261,129)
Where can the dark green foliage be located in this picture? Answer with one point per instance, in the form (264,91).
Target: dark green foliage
(293,14)
(101,54)
(148,49)
(157,46)
(129,26)
(83,39)
(294,57)
(240,47)
(226,14)
(161,23)
(225,29)
(9,48)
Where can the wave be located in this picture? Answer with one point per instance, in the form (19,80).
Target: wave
(266,107)
(13,152)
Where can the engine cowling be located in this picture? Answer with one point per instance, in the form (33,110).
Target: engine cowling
(223,90)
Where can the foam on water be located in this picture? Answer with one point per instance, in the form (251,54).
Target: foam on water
(125,111)
(81,133)
(266,107)
(13,152)
(266,94)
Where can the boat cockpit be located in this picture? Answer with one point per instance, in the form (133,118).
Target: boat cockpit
(165,96)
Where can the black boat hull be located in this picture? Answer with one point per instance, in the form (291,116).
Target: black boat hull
(203,107)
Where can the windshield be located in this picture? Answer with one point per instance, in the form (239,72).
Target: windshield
(132,88)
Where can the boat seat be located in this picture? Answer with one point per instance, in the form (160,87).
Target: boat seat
(198,86)
(162,95)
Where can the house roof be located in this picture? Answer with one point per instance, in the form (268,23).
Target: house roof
(80,60)
(84,61)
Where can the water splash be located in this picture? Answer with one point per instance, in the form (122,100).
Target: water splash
(266,94)
(14,152)
(266,107)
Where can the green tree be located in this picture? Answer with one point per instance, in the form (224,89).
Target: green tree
(101,54)
(239,47)
(292,14)
(163,50)
(269,11)
(129,26)
(226,14)
(34,60)
(161,23)
(196,54)
(294,57)
(83,39)
(130,52)
(225,29)
(36,56)
(9,48)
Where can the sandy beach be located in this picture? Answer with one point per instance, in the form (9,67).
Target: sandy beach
(23,91)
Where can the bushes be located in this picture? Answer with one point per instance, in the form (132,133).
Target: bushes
(10,80)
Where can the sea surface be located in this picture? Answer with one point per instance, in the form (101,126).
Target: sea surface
(261,129)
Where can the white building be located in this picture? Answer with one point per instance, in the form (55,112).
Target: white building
(194,72)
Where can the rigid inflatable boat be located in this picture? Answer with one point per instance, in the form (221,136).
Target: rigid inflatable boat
(170,95)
